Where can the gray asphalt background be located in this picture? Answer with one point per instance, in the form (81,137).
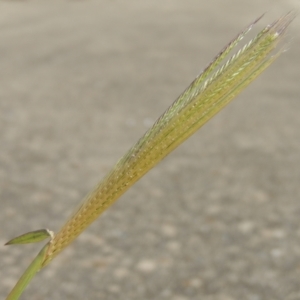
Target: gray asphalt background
(80,82)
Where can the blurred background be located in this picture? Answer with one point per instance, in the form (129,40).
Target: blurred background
(80,82)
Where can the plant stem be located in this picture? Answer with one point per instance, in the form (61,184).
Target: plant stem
(27,276)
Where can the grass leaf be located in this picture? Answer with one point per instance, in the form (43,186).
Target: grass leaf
(31,237)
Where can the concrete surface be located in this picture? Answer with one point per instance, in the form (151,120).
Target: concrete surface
(80,82)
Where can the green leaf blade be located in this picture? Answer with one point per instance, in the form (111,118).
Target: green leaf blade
(31,237)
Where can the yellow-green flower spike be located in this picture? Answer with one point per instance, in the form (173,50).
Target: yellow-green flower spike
(215,87)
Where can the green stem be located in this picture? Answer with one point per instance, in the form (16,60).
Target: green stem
(33,268)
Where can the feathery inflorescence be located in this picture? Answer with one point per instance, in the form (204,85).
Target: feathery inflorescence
(215,87)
